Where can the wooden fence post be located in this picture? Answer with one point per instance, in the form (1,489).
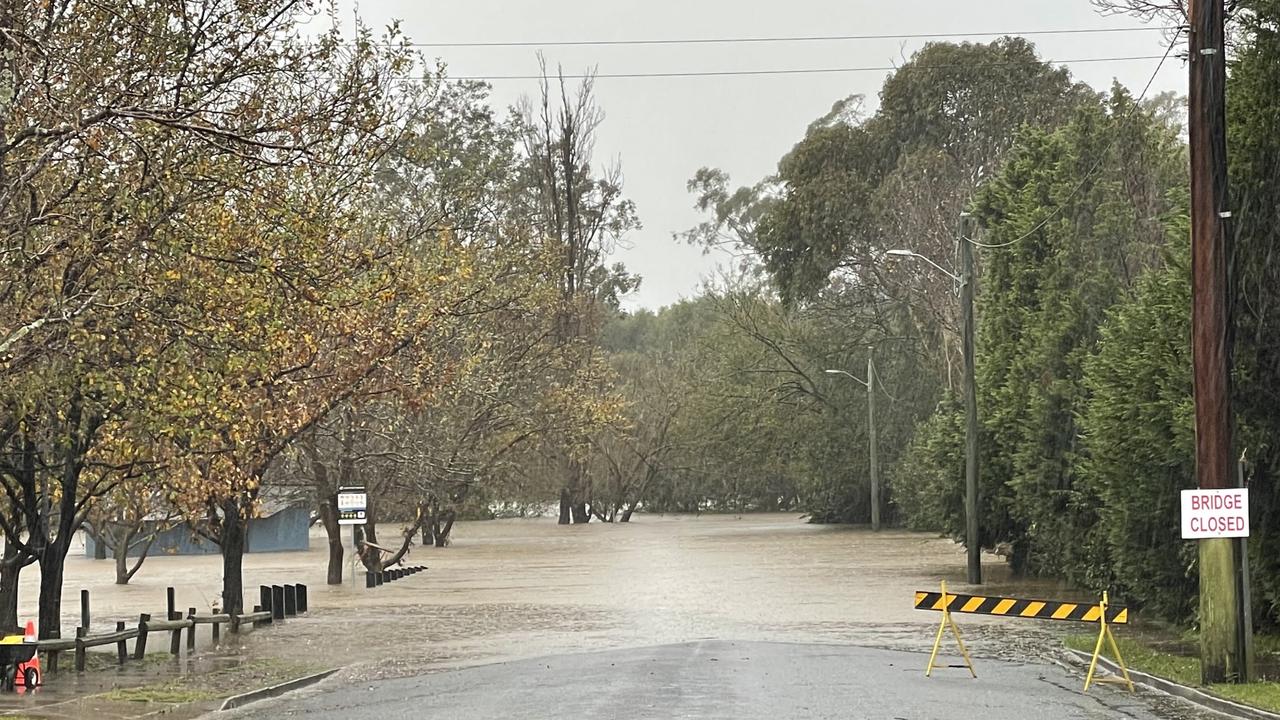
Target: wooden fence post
(191,631)
(277,602)
(84,609)
(80,658)
(140,645)
(302,598)
(122,652)
(175,640)
(290,601)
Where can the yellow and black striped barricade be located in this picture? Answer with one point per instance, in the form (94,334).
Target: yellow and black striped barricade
(1103,613)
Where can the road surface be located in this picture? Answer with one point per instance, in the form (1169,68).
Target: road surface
(723,679)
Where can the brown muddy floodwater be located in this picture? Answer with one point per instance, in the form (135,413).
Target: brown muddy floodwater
(511,589)
(524,588)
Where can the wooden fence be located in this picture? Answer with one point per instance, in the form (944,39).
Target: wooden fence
(278,603)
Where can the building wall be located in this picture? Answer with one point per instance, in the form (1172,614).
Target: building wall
(283,531)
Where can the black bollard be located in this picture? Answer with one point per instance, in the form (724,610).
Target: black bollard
(302,598)
(290,601)
(277,602)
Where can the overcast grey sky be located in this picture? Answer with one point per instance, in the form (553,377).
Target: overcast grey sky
(663,129)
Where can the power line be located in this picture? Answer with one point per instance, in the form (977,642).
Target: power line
(791,71)
(1088,175)
(778,39)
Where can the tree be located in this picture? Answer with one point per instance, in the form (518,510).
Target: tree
(584,217)
(1137,427)
(1254,164)
(128,520)
(95,168)
(947,116)
(1075,217)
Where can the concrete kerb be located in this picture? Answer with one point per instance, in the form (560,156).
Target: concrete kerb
(243,699)
(1078,658)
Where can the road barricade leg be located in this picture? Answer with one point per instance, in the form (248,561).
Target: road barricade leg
(948,621)
(1104,633)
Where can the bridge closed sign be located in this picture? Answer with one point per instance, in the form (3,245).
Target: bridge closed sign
(1216,513)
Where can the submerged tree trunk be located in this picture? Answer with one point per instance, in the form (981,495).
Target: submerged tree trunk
(565,503)
(442,534)
(124,573)
(407,538)
(333,531)
(370,557)
(626,514)
(232,538)
(121,554)
(50,605)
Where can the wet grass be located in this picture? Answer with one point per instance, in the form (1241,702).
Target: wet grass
(170,692)
(1140,656)
(214,684)
(1185,670)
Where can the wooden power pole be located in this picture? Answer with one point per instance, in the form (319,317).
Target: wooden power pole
(871,430)
(1211,332)
(972,539)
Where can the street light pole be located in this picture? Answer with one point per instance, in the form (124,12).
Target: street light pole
(869,383)
(871,425)
(973,546)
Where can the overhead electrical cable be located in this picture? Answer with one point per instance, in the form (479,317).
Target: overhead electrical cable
(792,71)
(777,38)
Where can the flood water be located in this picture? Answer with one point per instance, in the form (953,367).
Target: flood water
(522,588)
(514,589)
(509,589)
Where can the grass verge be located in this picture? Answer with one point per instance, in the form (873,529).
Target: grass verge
(215,684)
(1183,670)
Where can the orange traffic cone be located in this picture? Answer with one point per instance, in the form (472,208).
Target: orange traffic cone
(29,675)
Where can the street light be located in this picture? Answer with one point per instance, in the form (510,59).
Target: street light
(871,432)
(966,281)
(912,254)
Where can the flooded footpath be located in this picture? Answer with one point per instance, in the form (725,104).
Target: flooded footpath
(514,589)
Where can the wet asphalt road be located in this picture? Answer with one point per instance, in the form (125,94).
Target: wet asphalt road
(720,679)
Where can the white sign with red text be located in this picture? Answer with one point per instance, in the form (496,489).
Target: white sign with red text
(1218,513)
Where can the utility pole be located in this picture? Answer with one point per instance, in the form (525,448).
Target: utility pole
(973,545)
(871,430)
(1211,333)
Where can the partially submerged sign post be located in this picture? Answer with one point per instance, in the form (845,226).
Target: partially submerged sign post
(353,508)
(353,503)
